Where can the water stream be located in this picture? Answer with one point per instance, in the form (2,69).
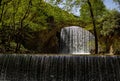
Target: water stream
(59,68)
(76,40)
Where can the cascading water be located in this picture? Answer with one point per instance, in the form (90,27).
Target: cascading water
(59,68)
(76,40)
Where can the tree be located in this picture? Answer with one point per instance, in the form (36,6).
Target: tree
(117,1)
(15,16)
(4,27)
(97,10)
(94,27)
(110,31)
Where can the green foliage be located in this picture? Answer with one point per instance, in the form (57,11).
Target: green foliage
(117,1)
(109,28)
(98,8)
(20,19)
(111,23)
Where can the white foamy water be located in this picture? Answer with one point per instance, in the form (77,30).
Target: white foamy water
(76,40)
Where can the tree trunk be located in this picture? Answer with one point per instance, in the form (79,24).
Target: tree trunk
(107,45)
(94,27)
(111,50)
(0,2)
(17,48)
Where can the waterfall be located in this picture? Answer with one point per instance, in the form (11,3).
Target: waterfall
(76,40)
(59,68)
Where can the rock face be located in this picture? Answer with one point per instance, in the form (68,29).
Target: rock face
(75,40)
